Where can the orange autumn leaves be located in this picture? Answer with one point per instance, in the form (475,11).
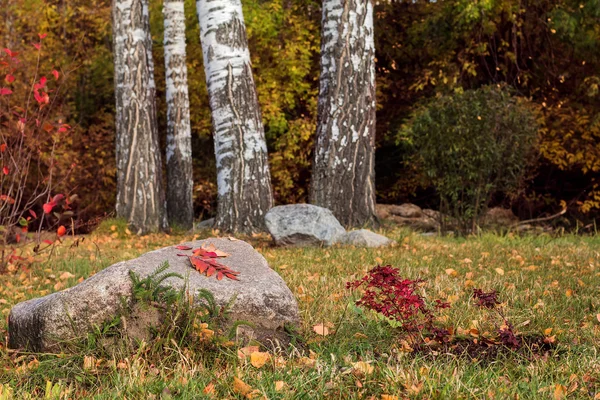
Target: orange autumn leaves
(203,261)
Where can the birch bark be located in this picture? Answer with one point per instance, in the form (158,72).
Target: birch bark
(180,207)
(140,194)
(343,173)
(243,177)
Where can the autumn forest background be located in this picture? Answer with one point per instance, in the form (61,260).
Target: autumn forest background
(544,51)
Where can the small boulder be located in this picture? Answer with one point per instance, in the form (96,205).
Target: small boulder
(364,238)
(303,225)
(206,224)
(261,296)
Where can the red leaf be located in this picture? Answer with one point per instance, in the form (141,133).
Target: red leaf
(5,170)
(43,81)
(47,241)
(2,147)
(37,45)
(5,91)
(211,271)
(219,275)
(183,247)
(10,53)
(58,198)
(203,253)
(6,198)
(9,78)
(42,35)
(61,231)
(199,264)
(48,207)
(231,276)
(33,214)
(64,128)
(56,74)
(18,238)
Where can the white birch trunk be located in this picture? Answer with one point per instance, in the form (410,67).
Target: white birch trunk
(343,174)
(243,177)
(140,194)
(180,207)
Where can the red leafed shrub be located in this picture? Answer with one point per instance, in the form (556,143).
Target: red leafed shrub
(396,298)
(31,127)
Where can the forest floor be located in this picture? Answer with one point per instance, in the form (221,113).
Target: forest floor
(549,288)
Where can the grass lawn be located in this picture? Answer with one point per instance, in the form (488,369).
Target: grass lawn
(549,288)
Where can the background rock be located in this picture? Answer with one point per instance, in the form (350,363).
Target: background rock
(263,298)
(303,225)
(364,238)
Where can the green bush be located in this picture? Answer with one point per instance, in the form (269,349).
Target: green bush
(471,145)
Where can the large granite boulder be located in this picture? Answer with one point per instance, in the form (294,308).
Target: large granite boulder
(303,225)
(262,297)
(364,238)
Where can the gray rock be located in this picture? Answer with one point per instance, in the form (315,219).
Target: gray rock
(206,224)
(303,225)
(365,238)
(263,298)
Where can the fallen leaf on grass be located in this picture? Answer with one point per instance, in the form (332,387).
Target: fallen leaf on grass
(246,351)
(499,271)
(321,330)
(279,385)
(560,392)
(209,389)
(242,388)
(388,397)
(598,317)
(451,272)
(363,367)
(259,359)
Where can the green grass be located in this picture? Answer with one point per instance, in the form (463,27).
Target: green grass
(544,282)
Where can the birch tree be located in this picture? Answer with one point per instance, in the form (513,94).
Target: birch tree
(140,194)
(243,177)
(180,207)
(343,173)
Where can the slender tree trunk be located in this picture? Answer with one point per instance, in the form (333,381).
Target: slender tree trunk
(180,205)
(243,177)
(140,195)
(343,173)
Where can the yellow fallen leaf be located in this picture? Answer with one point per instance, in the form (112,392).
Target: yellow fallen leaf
(388,397)
(560,392)
(89,362)
(363,367)
(378,260)
(66,275)
(241,387)
(451,272)
(499,271)
(569,293)
(279,385)
(209,389)
(246,351)
(321,329)
(598,317)
(113,228)
(547,332)
(359,335)
(258,359)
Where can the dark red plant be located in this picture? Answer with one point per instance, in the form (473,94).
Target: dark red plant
(486,299)
(385,292)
